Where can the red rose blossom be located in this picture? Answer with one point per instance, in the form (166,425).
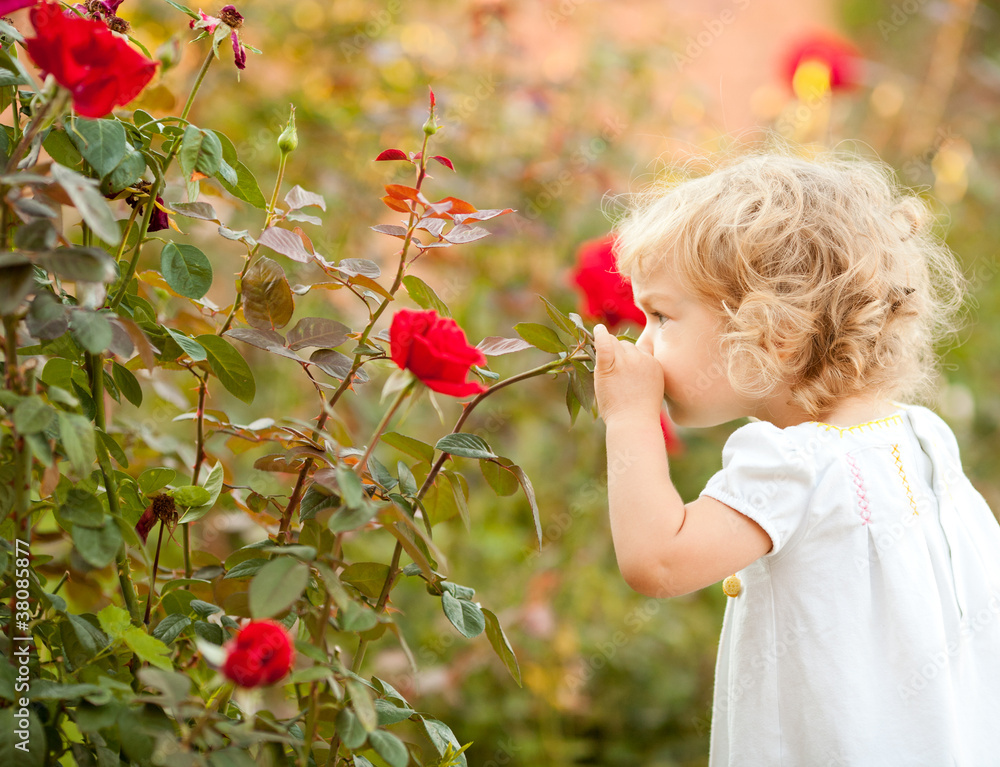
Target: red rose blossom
(607,296)
(434,349)
(99,69)
(837,54)
(262,653)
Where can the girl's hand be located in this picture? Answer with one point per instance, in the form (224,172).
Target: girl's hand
(626,379)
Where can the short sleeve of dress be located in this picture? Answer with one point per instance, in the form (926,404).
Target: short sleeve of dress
(767,476)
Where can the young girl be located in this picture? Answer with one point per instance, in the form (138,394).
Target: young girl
(864,624)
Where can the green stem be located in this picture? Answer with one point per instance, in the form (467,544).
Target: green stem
(197,83)
(147,215)
(10,323)
(403,393)
(199,460)
(238,301)
(29,135)
(95,368)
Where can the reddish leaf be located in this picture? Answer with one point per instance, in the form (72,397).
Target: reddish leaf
(482,215)
(444,161)
(391,154)
(400,192)
(458,206)
(286,243)
(306,242)
(267,298)
(391,230)
(395,204)
(298,197)
(317,331)
(463,233)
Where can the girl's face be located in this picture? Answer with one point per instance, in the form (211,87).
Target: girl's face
(682,334)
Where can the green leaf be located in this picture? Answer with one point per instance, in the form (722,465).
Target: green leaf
(155,479)
(186,269)
(127,172)
(501,645)
(89,202)
(88,264)
(442,737)
(230,367)
(101,142)
(148,648)
(91,330)
(389,747)
(541,337)
(201,152)
(351,733)
(17,278)
(246,187)
(424,295)
(389,714)
(98,546)
(276,587)
(47,318)
(82,508)
(32,415)
(529,493)
(464,615)
(191,496)
(114,622)
(351,489)
(188,345)
(465,445)
(267,298)
(60,148)
(246,569)
(171,627)
(78,441)
(366,577)
(127,383)
(503,481)
(35,756)
(113,448)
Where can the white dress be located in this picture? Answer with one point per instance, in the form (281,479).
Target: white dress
(870,633)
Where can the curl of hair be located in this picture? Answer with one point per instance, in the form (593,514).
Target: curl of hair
(825,272)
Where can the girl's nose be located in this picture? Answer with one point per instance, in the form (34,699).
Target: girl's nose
(645,340)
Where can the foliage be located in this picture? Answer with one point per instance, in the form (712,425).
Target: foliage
(123,663)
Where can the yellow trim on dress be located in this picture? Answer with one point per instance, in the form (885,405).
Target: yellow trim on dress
(902,476)
(881,422)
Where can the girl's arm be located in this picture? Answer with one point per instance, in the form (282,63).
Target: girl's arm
(664,547)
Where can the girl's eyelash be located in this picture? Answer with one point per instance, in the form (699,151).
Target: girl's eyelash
(660,318)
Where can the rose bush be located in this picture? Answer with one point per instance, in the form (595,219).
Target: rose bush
(117,334)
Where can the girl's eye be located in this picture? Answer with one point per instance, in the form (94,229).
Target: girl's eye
(660,318)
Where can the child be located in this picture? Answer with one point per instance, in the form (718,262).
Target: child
(864,627)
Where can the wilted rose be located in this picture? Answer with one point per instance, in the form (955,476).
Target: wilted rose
(607,296)
(98,68)
(435,350)
(262,653)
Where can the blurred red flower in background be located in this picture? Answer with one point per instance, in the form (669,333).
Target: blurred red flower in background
(261,653)
(9,6)
(435,350)
(99,69)
(838,55)
(606,295)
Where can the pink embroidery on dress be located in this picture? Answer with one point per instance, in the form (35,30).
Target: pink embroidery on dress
(859,486)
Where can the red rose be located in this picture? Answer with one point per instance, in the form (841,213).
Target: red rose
(607,296)
(835,53)
(261,653)
(99,69)
(434,349)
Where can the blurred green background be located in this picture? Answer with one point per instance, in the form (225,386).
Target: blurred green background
(553,108)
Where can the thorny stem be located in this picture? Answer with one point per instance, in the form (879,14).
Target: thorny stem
(403,393)
(198,462)
(95,368)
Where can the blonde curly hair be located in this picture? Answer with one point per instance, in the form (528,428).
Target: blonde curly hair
(825,272)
